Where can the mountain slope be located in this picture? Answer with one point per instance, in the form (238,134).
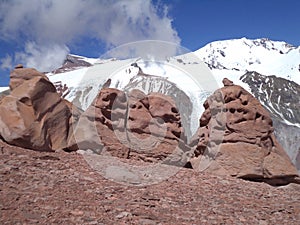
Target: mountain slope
(279,96)
(261,55)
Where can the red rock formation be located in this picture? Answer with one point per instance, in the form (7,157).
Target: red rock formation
(20,75)
(236,138)
(137,126)
(103,124)
(33,115)
(154,126)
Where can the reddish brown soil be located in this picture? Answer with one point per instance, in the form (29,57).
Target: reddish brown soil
(61,188)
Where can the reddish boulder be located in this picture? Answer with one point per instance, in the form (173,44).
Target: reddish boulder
(236,138)
(103,124)
(154,127)
(19,75)
(33,115)
(136,126)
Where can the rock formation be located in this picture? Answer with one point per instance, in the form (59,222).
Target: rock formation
(281,98)
(136,125)
(153,126)
(33,115)
(103,125)
(236,138)
(151,83)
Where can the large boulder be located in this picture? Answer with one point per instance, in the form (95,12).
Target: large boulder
(236,137)
(154,127)
(103,125)
(34,116)
(134,125)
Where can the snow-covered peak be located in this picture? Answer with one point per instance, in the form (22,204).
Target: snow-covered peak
(92,61)
(261,55)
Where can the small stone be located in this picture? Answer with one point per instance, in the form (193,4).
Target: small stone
(227,82)
(123,214)
(19,66)
(77,212)
(263,222)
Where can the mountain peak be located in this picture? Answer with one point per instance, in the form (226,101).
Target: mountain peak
(261,55)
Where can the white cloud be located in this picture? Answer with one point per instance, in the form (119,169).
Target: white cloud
(6,62)
(42,57)
(64,22)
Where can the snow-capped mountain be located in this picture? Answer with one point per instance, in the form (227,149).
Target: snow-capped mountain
(73,62)
(234,59)
(261,55)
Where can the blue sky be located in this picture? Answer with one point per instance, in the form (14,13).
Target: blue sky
(41,33)
(203,21)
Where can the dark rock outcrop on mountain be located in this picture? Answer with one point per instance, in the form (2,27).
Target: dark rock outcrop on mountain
(72,62)
(236,137)
(33,115)
(281,98)
(136,126)
(278,95)
(289,138)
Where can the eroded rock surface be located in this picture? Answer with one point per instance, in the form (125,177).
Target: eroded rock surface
(33,115)
(281,98)
(133,125)
(154,126)
(236,138)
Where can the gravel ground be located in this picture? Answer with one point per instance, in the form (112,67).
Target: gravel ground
(61,188)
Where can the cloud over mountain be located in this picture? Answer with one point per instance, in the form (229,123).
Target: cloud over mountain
(47,28)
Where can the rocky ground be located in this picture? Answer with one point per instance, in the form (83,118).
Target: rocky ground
(61,188)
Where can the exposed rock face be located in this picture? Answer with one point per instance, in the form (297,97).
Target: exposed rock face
(72,62)
(33,115)
(151,83)
(154,126)
(137,126)
(281,98)
(236,138)
(289,138)
(103,124)
(20,75)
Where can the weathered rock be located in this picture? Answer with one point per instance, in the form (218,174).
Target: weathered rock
(103,124)
(227,82)
(281,98)
(236,138)
(137,126)
(20,75)
(155,84)
(33,115)
(154,127)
